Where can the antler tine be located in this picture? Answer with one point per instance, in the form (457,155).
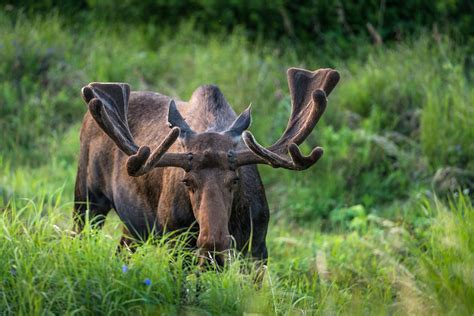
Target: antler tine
(142,162)
(308,93)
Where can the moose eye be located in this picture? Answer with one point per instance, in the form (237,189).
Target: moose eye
(187,182)
(235,181)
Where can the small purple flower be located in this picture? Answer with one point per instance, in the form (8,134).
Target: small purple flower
(124,268)
(147,282)
(13,271)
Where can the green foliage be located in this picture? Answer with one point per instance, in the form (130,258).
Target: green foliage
(394,119)
(305,21)
(353,217)
(35,74)
(447,131)
(421,92)
(381,267)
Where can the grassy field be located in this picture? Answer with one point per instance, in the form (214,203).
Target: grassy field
(383,224)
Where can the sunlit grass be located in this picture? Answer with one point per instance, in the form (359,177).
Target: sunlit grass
(389,268)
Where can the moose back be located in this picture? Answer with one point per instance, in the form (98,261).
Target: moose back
(165,164)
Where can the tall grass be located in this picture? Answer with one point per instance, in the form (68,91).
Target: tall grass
(387,268)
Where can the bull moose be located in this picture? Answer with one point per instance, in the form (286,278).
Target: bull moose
(201,169)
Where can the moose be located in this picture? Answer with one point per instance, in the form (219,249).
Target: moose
(168,165)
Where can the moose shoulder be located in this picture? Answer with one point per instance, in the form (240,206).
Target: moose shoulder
(163,164)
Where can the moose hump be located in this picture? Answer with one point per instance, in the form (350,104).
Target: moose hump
(209,100)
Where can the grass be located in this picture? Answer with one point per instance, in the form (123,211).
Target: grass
(363,232)
(386,267)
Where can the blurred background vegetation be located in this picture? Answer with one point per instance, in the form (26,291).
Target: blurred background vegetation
(401,114)
(398,133)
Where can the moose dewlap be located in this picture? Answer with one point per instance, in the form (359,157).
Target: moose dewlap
(165,164)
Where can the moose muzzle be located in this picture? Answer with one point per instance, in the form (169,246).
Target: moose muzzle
(213,217)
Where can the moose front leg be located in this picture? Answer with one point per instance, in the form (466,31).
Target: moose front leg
(89,207)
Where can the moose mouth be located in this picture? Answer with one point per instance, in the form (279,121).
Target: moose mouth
(213,259)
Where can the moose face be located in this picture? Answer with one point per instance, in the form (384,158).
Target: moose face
(211,183)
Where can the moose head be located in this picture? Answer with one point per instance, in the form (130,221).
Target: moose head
(208,164)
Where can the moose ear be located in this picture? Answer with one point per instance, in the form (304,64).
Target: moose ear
(175,119)
(240,124)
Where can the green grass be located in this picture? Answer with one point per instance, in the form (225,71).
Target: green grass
(360,233)
(385,267)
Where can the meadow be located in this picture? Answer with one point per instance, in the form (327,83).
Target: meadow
(383,224)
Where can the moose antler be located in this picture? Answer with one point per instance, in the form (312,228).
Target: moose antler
(108,105)
(309,90)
